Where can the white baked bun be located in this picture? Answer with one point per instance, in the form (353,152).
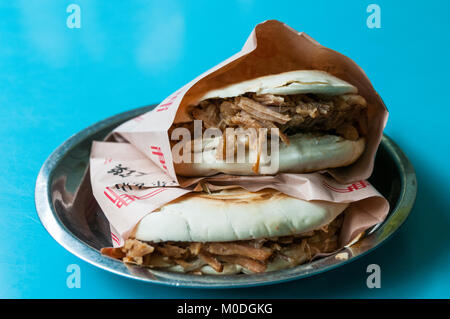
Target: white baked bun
(305,153)
(235,214)
(287,83)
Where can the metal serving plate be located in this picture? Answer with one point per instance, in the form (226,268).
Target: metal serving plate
(69,212)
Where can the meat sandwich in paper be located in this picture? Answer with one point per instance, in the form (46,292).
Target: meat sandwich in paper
(259,164)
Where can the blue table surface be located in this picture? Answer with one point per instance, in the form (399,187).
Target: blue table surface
(55,81)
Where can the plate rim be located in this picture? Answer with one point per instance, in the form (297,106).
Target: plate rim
(63,236)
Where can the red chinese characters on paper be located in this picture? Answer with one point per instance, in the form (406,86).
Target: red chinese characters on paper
(347,189)
(121,200)
(157,151)
(115,238)
(166,105)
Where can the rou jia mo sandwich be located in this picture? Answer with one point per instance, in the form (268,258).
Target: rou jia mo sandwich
(314,121)
(321,122)
(233,231)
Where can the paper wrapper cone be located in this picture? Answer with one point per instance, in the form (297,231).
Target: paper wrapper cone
(128,186)
(272,48)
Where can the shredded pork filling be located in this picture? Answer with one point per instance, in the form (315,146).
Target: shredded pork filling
(253,255)
(343,115)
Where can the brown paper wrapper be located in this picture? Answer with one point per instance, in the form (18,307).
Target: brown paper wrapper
(271,48)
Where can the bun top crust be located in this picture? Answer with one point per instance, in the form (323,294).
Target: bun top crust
(287,83)
(235,214)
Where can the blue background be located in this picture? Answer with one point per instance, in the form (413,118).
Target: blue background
(55,81)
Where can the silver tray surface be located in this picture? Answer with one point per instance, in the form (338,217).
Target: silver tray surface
(69,212)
